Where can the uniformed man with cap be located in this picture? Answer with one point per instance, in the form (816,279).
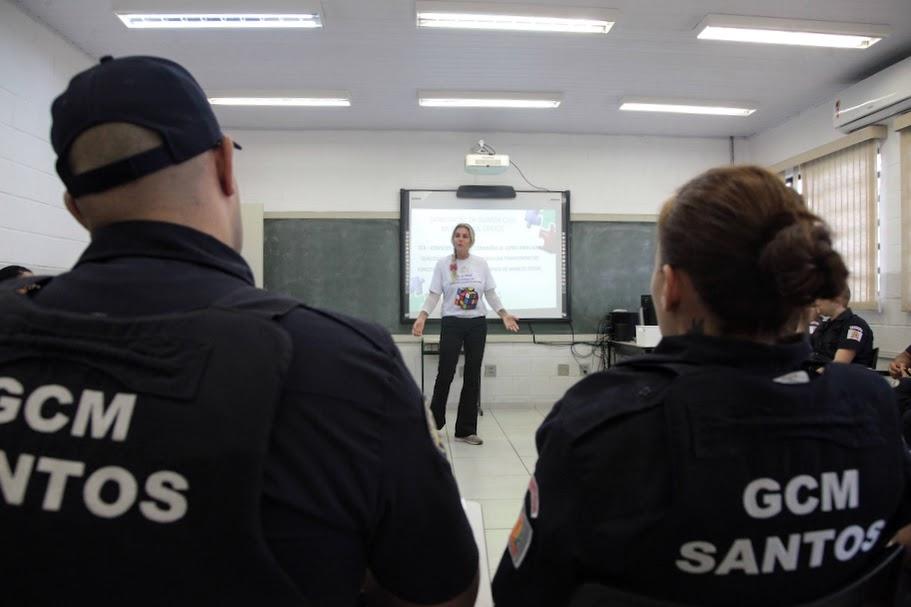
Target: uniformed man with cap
(843,337)
(715,471)
(171,435)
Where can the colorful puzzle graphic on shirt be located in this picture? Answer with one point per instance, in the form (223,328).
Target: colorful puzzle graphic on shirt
(467,298)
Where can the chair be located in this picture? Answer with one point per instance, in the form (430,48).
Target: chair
(875,362)
(886,585)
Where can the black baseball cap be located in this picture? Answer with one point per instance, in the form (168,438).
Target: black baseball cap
(150,92)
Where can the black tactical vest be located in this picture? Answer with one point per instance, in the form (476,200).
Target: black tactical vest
(781,490)
(131,454)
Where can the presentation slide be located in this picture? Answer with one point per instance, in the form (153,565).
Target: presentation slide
(523,240)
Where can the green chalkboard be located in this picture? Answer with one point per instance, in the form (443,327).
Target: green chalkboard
(352,266)
(611,267)
(346,265)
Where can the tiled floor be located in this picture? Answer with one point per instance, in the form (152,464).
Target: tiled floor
(496,473)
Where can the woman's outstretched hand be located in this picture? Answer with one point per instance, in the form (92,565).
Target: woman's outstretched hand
(511,323)
(417,329)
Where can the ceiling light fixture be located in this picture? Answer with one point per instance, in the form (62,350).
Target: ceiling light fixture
(229,14)
(487,99)
(516,17)
(212,21)
(766,30)
(283,99)
(676,106)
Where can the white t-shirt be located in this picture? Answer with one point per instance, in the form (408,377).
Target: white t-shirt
(462,295)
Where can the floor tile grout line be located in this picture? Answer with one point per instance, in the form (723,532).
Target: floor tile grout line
(516,451)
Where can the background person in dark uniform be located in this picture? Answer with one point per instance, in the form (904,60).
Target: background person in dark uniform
(9,272)
(900,369)
(844,337)
(171,435)
(715,472)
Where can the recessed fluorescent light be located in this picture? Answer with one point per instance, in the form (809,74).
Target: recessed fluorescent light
(516,17)
(790,31)
(639,104)
(285,99)
(488,99)
(212,21)
(194,14)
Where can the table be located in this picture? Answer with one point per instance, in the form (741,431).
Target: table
(631,347)
(476,520)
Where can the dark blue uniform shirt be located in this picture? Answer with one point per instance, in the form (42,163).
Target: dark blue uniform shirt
(847,331)
(714,472)
(352,477)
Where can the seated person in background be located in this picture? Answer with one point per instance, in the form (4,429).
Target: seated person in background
(900,369)
(900,365)
(715,471)
(172,435)
(10,272)
(844,337)
(13,272)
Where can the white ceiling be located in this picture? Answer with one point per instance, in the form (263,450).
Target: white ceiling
(373,49)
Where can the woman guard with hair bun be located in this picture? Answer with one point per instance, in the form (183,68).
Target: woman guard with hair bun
(715,471)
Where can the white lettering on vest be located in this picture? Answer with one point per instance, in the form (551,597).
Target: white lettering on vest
(118,415)
(126,492)
(698,557)
(762,497)
(873,535)
(775,550)
(818,539)
(792,495)
(59,470)
(771,502)
(840,495)
(740,557)
(165,486)
(13,483)
(34,406)
(9,405)
(845,551)
(92,417)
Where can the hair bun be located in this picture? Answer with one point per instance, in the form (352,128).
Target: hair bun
(801,264)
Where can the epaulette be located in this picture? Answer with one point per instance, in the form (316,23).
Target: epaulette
(630,387)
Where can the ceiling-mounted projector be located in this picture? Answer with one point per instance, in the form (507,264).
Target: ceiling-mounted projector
(483,160)
(486,164)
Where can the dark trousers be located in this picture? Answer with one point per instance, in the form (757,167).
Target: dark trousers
(455,334)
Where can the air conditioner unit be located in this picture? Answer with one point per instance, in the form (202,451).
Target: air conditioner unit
(875,99)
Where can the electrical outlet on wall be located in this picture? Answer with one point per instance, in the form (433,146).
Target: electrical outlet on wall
(563,370)
(490,370)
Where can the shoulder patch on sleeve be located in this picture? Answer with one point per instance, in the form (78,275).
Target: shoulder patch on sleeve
(855,332)
(520,539)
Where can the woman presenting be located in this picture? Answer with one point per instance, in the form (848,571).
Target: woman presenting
(460,279)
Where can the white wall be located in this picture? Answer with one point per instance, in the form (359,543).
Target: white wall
(811,128)
(35,66)
(363,170)
(526,373)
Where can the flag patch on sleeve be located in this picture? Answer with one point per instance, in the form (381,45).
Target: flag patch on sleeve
(855,333)
(520,539)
